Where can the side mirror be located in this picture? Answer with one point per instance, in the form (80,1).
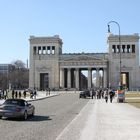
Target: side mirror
(28,104)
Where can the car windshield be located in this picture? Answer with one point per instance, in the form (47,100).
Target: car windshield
(14,102)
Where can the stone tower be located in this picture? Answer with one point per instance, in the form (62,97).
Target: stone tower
(44,62)
(129,56)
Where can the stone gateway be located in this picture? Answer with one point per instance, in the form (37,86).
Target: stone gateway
(50,68)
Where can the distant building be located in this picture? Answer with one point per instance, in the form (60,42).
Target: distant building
(4,68)
(50,68)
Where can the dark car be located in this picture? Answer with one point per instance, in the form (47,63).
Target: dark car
(84,94)
(16,108)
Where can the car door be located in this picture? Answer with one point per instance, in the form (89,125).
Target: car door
(28,107)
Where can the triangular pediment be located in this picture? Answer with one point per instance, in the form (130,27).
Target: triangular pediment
(82,58)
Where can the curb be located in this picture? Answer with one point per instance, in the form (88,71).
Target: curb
(30,100)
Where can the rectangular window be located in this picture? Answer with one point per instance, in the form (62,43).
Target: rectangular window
(114,48)
(44,49)
(39,49)
(128,48)
(34,49)
(118,48)
(123,48)
(48,50)
(133,48)
(53,49)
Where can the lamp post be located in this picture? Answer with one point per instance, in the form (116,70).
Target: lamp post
(120,83)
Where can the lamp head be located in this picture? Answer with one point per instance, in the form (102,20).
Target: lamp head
(108,28)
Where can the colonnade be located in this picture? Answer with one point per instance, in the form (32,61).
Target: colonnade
(44,49)
(123,48)
(71,78)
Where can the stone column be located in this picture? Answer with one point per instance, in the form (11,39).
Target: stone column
(116,48)
(62,77)
(130,48)
(77,78)
(69,78)
(37,49)
(41,49)
(97,78)
(50,49)
(89,78)
(105,77)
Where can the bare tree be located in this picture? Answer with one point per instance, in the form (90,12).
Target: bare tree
(3,81)
(19,75)
(18,64)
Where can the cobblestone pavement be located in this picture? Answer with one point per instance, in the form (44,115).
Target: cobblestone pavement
(104,121)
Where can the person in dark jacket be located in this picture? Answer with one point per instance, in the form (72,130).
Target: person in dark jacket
(106,96)
(19,94)
(13,94)
(111,94)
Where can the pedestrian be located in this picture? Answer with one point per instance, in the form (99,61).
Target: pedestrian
(46,92)
(16,94)
(5,94)
(97,94)
(19,94)
(93,93)
(24,94)
(106,96)
(35,94)
(31,94)
(111,94)
(13,93)
(49,90)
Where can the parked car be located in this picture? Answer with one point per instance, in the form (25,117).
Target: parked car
(84,94)
(16,108)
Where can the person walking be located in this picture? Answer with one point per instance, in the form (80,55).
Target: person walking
(24,94)
(35,93)
(93,94)
(111,94)
(19,94)
(106,96)
(49,90)
(5,94)
(16,94)
(13,94)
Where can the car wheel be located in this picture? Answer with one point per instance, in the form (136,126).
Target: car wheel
(25,115)
(33,112)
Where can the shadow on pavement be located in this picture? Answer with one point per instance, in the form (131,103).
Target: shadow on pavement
(30,119)
(39,118)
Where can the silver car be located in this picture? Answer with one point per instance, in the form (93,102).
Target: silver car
(16,108)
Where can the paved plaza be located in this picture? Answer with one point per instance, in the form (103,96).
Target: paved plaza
(99,120)
(104,121)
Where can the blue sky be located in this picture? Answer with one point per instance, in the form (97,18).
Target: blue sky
(81,24)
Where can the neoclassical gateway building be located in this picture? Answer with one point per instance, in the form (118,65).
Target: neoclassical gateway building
(50,68)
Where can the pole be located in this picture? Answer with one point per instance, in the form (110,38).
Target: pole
(120,50)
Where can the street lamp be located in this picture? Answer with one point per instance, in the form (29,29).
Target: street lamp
(120,83)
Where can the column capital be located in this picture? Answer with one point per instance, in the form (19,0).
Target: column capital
(97,69)
(61,68)
(68,68)
(89,68)
(104,69)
